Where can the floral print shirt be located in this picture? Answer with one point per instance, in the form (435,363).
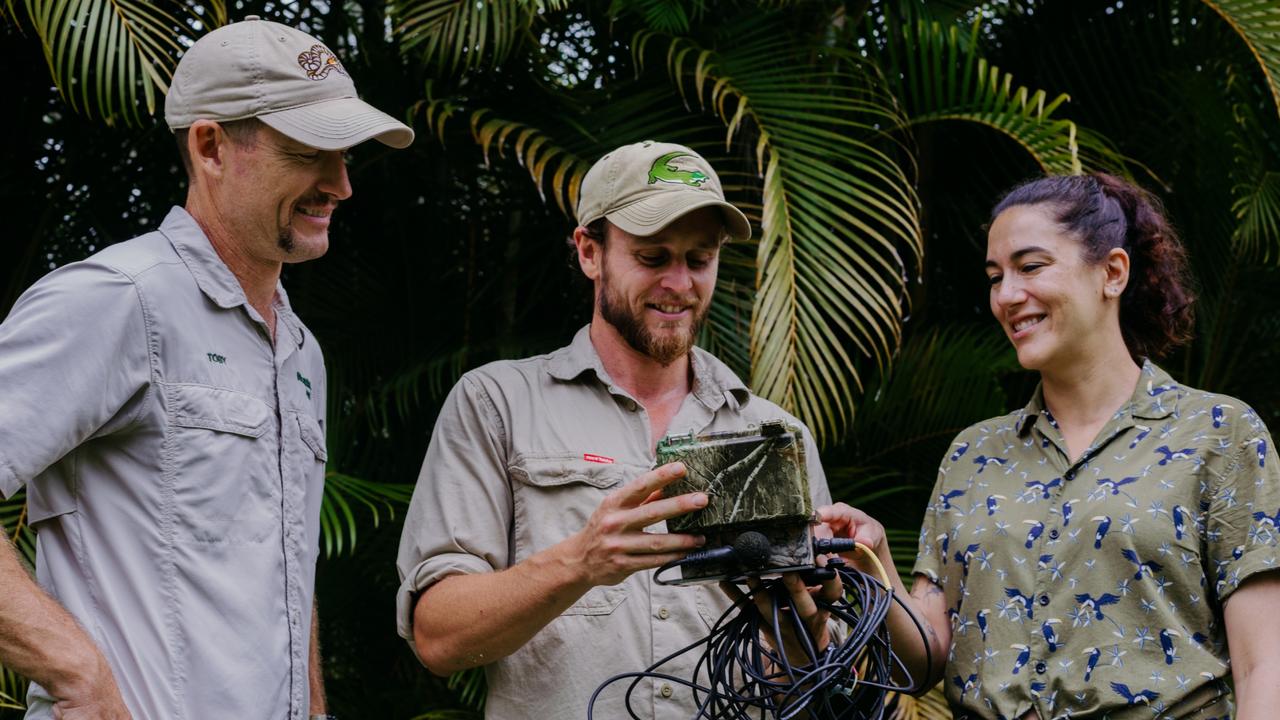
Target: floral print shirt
(1095,588)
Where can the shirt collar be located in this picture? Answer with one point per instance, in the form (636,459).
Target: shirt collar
(1155,397)
(212,275)
(714,383)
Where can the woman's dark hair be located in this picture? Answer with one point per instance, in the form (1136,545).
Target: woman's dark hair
(1105,212)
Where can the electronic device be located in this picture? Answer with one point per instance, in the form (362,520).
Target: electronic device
(759,517)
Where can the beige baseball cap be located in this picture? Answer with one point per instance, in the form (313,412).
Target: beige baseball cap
(282,76)
(643,187)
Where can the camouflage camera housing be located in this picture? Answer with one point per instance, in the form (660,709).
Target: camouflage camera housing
(755,479)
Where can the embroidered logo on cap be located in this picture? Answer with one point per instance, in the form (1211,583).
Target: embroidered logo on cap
(318,61)
(663,171)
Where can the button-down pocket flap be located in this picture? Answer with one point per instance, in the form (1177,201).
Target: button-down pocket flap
(212,408)
(564,470)
(312,435)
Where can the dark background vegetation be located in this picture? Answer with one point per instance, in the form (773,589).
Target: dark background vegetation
(442,261)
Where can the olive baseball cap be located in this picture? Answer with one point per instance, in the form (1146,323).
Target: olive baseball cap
(282,76)
(643,187)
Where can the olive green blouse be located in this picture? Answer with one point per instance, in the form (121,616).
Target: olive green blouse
(1095,588)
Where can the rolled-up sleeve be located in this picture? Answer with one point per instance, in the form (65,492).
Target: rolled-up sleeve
(460,517)
(1243,518)
(74,365)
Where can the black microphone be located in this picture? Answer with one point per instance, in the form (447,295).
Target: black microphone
(751,550)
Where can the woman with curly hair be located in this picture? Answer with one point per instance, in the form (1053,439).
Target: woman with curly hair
(1111,549)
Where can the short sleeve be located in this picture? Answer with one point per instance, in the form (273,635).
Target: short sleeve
(1242,522)
(928,559)
(460,517)
(74,365)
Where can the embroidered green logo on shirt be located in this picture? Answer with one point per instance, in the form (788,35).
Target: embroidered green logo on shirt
(307,383)
(663,170)
(216,358)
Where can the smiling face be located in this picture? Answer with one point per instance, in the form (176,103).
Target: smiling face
(655,291)
(279,195)
(1055,308)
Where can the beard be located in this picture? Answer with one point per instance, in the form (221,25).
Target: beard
(285,240)
(630,325)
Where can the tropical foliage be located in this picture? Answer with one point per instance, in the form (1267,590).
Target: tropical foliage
(866,141)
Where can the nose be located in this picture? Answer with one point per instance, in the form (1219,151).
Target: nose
(678,277)
(1008,293)
(333,179)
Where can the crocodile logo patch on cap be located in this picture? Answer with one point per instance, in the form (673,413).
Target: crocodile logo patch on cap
(318,61)
(663,171)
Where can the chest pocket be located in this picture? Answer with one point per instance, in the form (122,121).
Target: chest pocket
(219,466)
(554,496)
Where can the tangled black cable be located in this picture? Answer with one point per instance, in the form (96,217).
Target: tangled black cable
(743,674)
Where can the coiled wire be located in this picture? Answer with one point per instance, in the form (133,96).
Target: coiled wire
(741,677)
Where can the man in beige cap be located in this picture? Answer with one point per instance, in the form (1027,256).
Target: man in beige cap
(524,548)
(165,408)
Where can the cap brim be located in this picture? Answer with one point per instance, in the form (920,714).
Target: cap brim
(338,124)
(650,215)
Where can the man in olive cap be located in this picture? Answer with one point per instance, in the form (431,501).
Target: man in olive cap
(524,549)
(165,408)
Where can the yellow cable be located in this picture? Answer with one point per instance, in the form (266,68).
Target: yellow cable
(884,576)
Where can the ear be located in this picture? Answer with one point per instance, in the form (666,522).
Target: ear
(1116,268)
(590,253)
(207,146)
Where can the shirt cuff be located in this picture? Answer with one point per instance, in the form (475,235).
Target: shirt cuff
(424,575)
(9,482)
(1260,558)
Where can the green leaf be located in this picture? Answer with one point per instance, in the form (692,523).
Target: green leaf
(941,77)
(1258,209)
(342,492)
(100,53)
(1257,22)
(458,35)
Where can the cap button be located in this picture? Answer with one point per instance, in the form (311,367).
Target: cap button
(252,17)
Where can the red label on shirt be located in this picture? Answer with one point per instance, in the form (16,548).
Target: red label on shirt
(592,457)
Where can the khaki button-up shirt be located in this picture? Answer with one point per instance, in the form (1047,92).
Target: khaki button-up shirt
(1095,588)
(174,464)
(522,454)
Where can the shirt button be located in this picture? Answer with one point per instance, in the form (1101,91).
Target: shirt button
(666,690)
(1044,600)
(1041,668)
(1053,534)
(664,613)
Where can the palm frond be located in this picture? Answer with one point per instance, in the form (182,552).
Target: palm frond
(338,520)
(458,35)
(1258,210)
(941,382)
(550,165)
(941,77)
(837,212)
(12,687)
(1257,22)
(109,57)
(13,519)
(665,16)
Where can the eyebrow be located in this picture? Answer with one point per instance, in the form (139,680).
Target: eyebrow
(1019,254)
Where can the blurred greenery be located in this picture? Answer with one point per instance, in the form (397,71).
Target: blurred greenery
(867,140)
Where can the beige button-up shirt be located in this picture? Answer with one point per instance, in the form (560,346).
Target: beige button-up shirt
(522,454)
(1095,588)
(174,463)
